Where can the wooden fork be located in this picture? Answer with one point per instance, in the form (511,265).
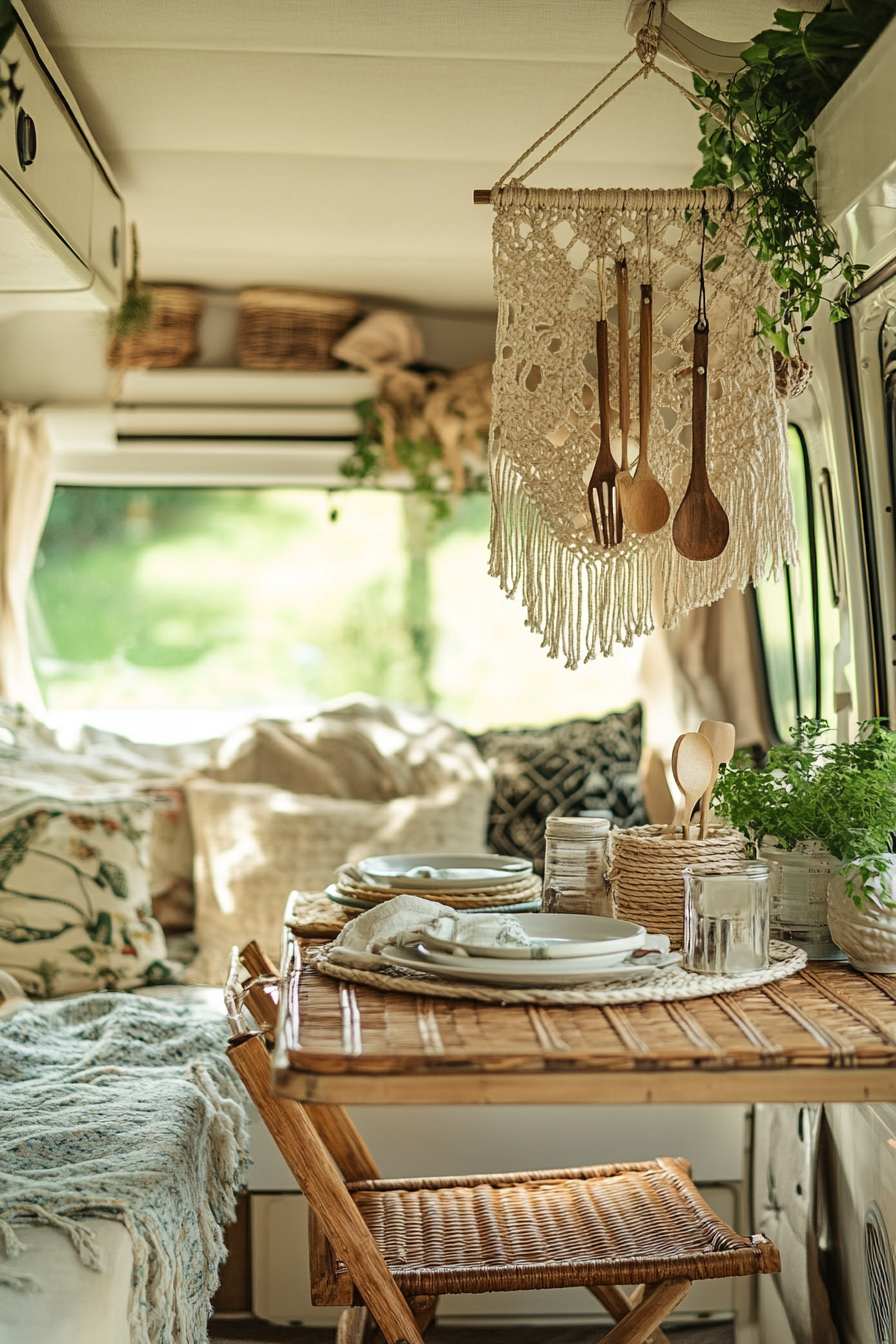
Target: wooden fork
(602,485)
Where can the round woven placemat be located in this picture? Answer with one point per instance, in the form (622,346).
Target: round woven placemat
(667,985)
(507,893)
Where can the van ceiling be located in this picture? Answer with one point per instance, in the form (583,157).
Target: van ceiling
(336,143)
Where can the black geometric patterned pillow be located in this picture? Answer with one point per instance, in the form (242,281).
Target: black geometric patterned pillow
(585,763)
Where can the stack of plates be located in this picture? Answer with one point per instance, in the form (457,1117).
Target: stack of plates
(462,881)
(563,950)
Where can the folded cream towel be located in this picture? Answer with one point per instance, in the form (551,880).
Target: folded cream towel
(402,920)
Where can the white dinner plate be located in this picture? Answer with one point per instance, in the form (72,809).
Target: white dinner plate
(555,937)
(597,963)
(522,974)
(460,872)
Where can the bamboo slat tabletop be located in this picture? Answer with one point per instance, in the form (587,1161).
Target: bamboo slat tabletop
(826,1034)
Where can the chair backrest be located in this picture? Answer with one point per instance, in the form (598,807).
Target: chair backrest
(317,1143)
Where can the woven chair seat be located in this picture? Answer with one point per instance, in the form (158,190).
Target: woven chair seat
(639,1222)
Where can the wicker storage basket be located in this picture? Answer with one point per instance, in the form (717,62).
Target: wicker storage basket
(292,328)
(645,878)
(170,341)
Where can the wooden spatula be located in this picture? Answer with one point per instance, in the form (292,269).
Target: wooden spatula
(721,737)
(625,410)
(700,529)
(645,504)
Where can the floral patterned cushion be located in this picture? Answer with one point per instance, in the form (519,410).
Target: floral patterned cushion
(584,763)
(74,897)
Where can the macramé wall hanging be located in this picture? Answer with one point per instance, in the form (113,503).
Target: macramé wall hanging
(638,451)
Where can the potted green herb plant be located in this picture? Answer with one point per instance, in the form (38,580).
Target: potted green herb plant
(817,809)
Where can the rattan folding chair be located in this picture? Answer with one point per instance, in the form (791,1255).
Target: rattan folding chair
(386,1249)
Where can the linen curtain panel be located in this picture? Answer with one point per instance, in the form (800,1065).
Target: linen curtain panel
(26,488)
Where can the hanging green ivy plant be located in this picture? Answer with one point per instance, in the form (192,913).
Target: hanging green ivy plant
(135,311)
(755,135)
(432,425)
(420,458)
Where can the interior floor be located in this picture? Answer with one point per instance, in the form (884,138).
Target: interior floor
(257,1332)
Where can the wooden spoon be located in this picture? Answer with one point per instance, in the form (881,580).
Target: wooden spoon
(645,504)
(625,410)
(692,768)
(720,737)
(678,819)
(700,529)
(603,478)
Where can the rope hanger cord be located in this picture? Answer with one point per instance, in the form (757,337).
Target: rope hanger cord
(645,48)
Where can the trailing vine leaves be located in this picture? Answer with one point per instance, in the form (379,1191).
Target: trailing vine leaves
(842,794)
(135,311)
(755,135)
(419,457)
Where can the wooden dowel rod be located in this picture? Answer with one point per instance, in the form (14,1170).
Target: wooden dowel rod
(319,1181)
(482,196)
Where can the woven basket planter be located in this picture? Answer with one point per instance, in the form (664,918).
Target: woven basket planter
(171,339)
(645,870)
(291,328)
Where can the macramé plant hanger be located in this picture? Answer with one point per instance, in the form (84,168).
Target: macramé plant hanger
(620,330)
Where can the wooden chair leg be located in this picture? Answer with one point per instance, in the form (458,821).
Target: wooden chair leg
(424,1309)
(333,1123)
(619,1304)
(354,1326)
(641,1321)
(319,1181)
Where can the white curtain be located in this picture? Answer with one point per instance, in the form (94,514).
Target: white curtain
(26,488)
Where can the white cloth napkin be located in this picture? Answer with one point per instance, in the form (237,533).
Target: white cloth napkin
(402,920)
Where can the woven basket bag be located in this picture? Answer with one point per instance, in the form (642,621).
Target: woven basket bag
(645,870)
(292,328)
(171,339)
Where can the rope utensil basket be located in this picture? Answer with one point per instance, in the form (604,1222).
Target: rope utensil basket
(645,873)
(171,339)
(554,253)
(292,328)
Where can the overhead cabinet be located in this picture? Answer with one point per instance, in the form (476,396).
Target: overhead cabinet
(61,218)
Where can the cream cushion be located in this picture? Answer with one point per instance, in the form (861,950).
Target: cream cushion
(255,844)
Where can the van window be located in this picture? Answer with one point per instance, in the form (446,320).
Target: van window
(798,618)
(229,599)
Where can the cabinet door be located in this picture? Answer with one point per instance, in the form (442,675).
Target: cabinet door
(59,180)
(107,241)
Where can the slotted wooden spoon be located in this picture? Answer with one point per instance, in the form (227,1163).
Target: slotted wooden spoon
(645,504)
(700,529)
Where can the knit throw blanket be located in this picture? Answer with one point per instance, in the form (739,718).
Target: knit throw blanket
(123,1107)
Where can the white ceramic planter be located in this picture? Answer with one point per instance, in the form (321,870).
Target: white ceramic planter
(798,897)
(866,933)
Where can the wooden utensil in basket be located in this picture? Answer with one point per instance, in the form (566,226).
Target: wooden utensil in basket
(721,737)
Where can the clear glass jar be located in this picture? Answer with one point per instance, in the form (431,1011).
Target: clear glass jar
(726,918)
(575,866)
(799,893)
